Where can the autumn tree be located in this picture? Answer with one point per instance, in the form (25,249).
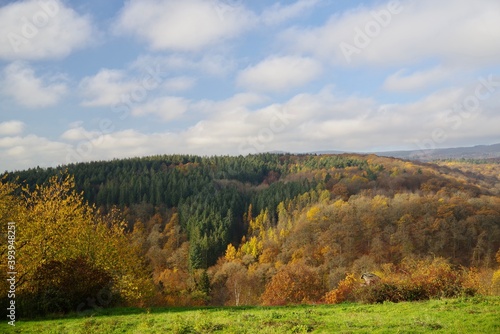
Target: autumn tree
(294,283)
(58,227)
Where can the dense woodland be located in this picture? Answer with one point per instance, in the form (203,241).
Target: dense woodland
(190,230)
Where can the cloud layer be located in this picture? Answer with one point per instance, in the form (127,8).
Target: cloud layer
(188,25)
(42,30)
(244,124)
(239,77)
(20,82)
(405,32)
(9,128)
(279,73)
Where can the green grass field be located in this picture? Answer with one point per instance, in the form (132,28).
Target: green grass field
(463,315)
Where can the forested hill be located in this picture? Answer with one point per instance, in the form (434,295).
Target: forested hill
(170,179)
(217,196)
(200,223)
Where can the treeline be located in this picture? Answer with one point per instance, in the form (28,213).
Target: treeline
(236,230)
(211,194)
(166,180)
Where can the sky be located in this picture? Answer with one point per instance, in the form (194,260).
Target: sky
(98,80)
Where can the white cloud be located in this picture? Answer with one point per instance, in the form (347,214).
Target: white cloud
(20,152)
(249,123)
(140,97)
(132,86)
(241,101)
(79,133)
(20,82)
(279,73)
(167,108)
(41,30)
(106,88)
(278,126)
(209,63)
(188,25)
(179,84)
(278,13)
(325,121)
(10,128)
(452,31)
(122,144)
(417,80)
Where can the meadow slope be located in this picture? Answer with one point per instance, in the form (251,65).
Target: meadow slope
(462,315)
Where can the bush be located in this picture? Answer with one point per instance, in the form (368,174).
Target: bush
(433,277)
(295,283)
(62,287)
(412,280)
(383,292)
(344,290)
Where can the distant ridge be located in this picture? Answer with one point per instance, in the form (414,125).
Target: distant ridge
(473,152)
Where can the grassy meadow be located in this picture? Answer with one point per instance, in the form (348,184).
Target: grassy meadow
(462,315)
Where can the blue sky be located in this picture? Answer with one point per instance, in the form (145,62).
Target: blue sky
(94,80)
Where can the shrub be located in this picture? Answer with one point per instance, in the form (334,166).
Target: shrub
(344,290)
(412,280)
(62,287)
(379,293)
(294,283)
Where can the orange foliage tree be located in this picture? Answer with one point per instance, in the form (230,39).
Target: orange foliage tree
(295,283)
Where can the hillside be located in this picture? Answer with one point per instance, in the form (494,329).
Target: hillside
(474,152)
(229,230)
(478,152)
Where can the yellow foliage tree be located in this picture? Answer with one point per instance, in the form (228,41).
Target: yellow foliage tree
(261,223)
(313,213)
(252,247)
(230,252)
(57,225)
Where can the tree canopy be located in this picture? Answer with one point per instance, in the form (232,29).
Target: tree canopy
(190,230)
